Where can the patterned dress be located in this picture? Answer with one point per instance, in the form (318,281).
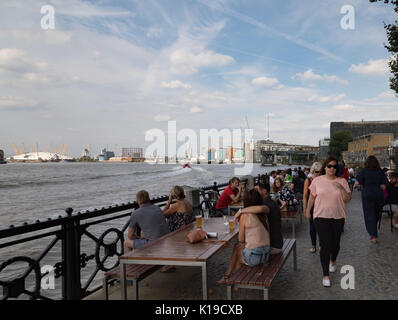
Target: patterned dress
(288,196)
(178,220)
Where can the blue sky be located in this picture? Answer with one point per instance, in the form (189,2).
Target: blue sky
(112,70)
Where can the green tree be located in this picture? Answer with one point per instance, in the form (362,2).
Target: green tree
(339,143)
(392,47)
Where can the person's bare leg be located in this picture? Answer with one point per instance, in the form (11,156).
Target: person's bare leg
(239,261)
(232,261)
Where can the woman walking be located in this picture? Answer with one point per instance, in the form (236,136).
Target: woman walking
(329,195)
(373,182)
(315,172)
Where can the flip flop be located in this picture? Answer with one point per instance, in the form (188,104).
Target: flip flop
(313,250)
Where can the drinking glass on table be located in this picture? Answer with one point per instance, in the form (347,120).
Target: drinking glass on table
(231,223)
(198,219)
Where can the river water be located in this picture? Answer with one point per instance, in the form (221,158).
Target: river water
(37,191)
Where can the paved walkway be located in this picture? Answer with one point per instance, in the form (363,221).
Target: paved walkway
(375,265)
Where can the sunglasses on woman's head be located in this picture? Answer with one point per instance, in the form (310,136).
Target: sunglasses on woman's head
(316,171)
(332,166)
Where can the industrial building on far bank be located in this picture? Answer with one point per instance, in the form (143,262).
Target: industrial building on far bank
(378,138)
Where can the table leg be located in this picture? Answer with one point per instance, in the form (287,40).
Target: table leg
(293,229)
(294,257)
(123,285)
(204,281)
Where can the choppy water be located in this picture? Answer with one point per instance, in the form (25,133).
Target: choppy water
(32,191)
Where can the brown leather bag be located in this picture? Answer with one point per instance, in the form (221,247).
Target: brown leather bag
(196,235)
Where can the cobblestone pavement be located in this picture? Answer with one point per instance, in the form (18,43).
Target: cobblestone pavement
(375,265)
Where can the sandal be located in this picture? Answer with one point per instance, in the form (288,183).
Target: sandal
(224,279)
(313,250)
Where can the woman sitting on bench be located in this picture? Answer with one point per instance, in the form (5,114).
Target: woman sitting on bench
(254,240)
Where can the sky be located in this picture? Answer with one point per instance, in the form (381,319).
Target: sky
(111,71)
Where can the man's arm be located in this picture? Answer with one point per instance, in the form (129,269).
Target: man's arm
(252,210)
(237,197)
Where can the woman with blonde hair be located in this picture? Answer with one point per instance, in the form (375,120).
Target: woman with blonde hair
(179,213)
(314,172)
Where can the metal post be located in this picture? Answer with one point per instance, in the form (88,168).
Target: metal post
(71,288)
(204,280)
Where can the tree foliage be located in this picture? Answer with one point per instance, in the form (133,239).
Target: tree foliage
(392,47)
(339,143)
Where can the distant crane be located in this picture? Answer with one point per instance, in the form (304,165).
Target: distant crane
(15,149)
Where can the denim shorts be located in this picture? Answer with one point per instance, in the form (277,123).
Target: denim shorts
(139,242)
(256,256)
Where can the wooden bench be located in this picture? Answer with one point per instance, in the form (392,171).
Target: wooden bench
(261,277)
(134,272)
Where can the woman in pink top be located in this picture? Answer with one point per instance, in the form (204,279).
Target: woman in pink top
(254,240)
(329,195)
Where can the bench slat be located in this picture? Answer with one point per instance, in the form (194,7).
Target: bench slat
(262,275)
(133,271)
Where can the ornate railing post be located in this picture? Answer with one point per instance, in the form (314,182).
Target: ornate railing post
(71,284)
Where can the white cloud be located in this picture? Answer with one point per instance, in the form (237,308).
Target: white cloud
(196,109)
(264,82)
(185,61)
(377,67)
(344,107)
(175,84)
(387,95)
(162,117)
(154,32)
(309,75)
(324,99)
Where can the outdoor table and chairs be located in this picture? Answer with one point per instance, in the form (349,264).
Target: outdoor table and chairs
(234,207)
(174,249)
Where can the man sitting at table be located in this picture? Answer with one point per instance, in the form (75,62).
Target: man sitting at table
(274,217)
(149,218)
(230,195)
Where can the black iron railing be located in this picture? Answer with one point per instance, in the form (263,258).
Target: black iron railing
(65,233)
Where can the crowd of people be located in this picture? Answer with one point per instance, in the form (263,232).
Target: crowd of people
(324,189)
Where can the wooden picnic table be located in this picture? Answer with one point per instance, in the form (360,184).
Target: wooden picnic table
(291,217)
(234,206)
(174,249)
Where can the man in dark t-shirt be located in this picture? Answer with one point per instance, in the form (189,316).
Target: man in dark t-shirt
(151,221)
(274,218)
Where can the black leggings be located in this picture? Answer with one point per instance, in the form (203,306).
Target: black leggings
(329,233)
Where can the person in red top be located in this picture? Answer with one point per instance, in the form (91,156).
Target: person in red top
(230,194)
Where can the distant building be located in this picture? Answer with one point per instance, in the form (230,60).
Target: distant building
(105,155)
(133,153)
(362,128)
(324,148)
(85,153)
(377,144)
